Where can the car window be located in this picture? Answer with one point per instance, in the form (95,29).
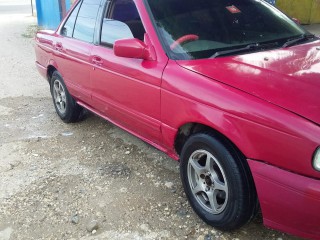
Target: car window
(67,29)
(123,22)
(113,30)
(199,29)
(86,20)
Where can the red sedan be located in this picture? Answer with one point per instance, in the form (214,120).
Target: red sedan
(228,87)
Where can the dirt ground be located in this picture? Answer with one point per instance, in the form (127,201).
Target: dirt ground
(89,180)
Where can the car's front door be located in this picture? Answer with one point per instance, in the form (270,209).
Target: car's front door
(126,90)
(73,48)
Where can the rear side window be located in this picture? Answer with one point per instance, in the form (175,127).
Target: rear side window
(86,20)
(67,29)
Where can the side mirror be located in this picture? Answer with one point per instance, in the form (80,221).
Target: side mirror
(132,48)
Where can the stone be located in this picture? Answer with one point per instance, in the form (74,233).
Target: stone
(75,219)
(182,212)
(6,233)
(169,184)
(144,227)
(67,134)
(92,225)
(208,237)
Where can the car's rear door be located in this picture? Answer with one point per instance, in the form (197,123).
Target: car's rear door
(125,90)
(73,48)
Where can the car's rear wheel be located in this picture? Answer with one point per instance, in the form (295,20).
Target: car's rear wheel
(217,182)
(66,107)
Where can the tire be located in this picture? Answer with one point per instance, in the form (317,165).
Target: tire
(217,182)
(66,107)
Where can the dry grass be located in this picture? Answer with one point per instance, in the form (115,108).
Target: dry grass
(31,31)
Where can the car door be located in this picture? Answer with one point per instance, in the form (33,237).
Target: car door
(126,90)
(73,48)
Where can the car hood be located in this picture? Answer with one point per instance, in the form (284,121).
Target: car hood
(287,77)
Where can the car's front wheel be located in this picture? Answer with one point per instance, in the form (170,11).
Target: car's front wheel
(217,182)
(66,107)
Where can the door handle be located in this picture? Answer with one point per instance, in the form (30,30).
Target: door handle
(97,60)
(59,47)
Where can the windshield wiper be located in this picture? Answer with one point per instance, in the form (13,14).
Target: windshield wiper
(301,38)
(249,47)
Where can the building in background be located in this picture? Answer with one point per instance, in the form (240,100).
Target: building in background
(50,13)
(307,11)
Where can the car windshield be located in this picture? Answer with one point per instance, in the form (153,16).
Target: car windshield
(192,29)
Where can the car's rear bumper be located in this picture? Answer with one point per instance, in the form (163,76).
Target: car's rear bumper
(289,202)
(42,70)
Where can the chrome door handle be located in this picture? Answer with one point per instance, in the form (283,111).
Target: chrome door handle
(59,47)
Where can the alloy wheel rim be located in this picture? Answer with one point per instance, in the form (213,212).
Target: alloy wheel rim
(207,181)
(59,96)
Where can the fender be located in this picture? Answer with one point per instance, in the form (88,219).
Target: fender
(261,131)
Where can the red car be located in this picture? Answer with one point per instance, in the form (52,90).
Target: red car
(228,87)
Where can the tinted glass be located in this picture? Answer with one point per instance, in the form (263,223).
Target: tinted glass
(67,29)
(218,25)
(125,12)
(113,30)
(86,21)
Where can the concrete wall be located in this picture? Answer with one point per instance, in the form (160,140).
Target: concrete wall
(307,11)
(315,12)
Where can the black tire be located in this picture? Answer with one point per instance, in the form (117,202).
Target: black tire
(66,107)
(217,182)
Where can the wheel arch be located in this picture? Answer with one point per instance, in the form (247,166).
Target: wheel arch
(188,129)
(197,130)
(52,66)
(50,70)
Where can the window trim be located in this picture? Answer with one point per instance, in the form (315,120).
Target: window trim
(155,27)
(105,5)
(95,24)
(79,3)
(108,10)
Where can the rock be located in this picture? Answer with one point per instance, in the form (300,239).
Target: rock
(182,212)
(169,184)
(6,234)
(144,227)
(94,231)
(208,237)
(173,190)
(157,184)
(75,219)
(92,225)
(127,152)
(67,134)
(201,237)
